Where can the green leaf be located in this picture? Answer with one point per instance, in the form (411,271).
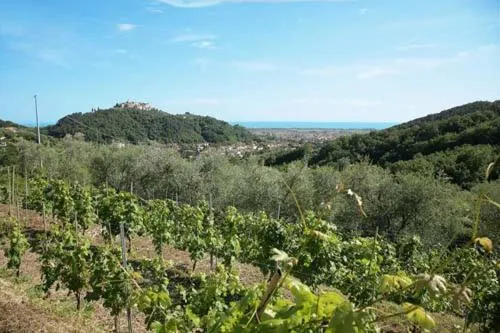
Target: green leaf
(392,283)
(328,303)
(343,319)
(279,255)
(418,315)
(301,292)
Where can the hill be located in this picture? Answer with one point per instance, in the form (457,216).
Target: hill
(137,122)
(7,123)
(457,143)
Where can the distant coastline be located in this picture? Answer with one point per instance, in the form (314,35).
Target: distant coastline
(314,125)
(33,124)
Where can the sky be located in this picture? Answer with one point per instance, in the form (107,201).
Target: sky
(249,60)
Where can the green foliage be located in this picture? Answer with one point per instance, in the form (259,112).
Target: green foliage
(467,131)
(37,196)
(115,208)
(18,245)
(62,203)
(84,208)
(229,225)
(215,292)
(66,260)
(159,224)
(110,281)
(136,126)
(191,222)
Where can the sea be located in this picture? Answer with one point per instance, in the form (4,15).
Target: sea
(314,125)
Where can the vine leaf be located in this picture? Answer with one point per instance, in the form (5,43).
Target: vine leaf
(436,284)
(392,283)
(418,315)
(485,243)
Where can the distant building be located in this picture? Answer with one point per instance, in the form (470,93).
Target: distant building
(134,105)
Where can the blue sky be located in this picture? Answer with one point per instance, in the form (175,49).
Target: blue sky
(365,60)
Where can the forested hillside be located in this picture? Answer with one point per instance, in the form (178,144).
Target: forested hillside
(6,123)
(457,144)
(136,126)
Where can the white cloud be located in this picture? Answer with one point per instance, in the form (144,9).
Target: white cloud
(207,3)
(370,69)
(424,62)
(376,71)
(154,10)
(54,56)
(187,38)
(361,71)
(327,71)
(254,65)
(201,41)
(125,26)
(415,46)
(206,44)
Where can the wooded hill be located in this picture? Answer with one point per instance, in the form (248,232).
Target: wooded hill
(6,123)
(136,126)
(457,143)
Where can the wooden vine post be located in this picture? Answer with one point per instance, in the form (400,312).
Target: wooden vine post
(124,263)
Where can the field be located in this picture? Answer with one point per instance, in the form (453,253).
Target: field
(23,307)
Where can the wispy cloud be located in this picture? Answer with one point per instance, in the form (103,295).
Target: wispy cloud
(200,41)
(327,70)
(363,11)
(376,72)
(400,65)
(254,66)
(207,3)
(189,38)
(416,46)
(121,51)
(125,26)
(206,44)
(54,56)
(154,10)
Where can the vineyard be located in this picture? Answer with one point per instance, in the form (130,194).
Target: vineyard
(314,278)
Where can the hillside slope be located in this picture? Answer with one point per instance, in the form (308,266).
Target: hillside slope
(138,125)
(7,123)
(458,143)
